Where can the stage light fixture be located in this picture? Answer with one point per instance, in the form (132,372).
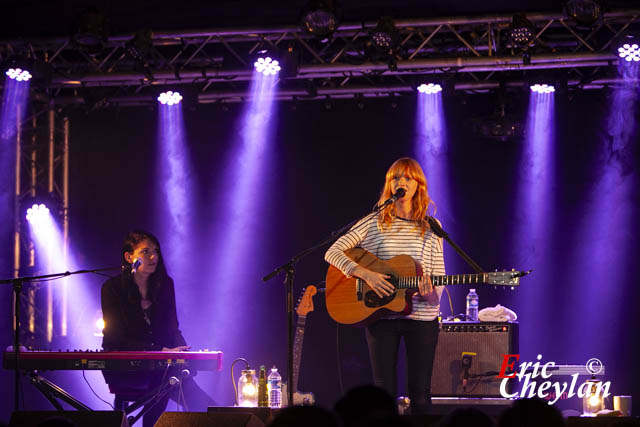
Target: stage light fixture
(139,47)
(499,126)
(320,18)
(170,98)
(429,88)
(24,68)
(630,52)
(584,12)
(37,213)
(19,74)
(385,35)
(542,88)
(522,32)
(267,66)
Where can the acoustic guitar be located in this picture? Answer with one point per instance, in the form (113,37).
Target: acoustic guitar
(352,301)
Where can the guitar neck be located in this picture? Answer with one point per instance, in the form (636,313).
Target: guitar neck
(297,350)
(451,279)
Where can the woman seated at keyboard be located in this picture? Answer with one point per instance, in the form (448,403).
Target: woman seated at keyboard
(139,311)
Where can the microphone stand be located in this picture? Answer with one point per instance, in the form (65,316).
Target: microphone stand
(437,229)
(290,271)
(17,284)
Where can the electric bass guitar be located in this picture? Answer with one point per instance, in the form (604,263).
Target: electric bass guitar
(305,306)
(352,301)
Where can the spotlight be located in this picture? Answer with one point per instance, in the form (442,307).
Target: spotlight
(18,74)
(542,88)
(37,213)
(22,69)
(498,126)
(170,98)
(320,18)
(521,31)
(430,88)
(139,47)
(385,35)
(629,52)
(383,43)
(267,66)
(584,12)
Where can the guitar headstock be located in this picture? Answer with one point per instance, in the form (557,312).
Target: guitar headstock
(506,278)
(305,302)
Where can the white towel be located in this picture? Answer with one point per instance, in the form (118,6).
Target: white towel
(497,314)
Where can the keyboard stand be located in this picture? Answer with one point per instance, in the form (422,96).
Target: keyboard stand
(149,400)
(53,393)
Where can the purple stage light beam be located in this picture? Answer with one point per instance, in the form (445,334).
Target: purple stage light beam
(431,150)
(174,194)
(535,209)
(83,305)
(243,198)
(601,262)
(14,101)
(431,145)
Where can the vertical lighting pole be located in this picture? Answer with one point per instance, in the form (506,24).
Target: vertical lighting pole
(31,291)
(50,187)
(17,285)
(65,221)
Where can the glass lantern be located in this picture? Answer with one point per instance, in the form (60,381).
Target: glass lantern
(248,389)
(593,401)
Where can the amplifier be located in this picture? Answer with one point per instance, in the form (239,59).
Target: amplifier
(469,356)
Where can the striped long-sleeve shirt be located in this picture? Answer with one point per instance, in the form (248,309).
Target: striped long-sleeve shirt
(401,238)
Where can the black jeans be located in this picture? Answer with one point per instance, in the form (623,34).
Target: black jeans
(420,339)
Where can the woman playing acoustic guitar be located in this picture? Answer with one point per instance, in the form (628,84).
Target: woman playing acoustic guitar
(400,229)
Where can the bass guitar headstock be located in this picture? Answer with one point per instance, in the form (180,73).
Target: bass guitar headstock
(305,302)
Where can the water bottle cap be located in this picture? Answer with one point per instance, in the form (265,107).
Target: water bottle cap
(472,290)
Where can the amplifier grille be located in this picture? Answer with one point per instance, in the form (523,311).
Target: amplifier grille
(489,342)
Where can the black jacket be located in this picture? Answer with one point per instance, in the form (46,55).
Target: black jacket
(125,327)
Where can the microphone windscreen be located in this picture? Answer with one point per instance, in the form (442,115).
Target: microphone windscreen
(400,192)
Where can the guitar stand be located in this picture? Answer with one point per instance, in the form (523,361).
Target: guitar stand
(52,392)
(149,400)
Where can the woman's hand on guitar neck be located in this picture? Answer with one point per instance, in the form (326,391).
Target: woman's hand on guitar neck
(425,286)
(427,290)
(375,280)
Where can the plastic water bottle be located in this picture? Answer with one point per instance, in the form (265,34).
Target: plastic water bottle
(275,388)
(472,305)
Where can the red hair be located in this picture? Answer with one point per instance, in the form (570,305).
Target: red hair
(419,204)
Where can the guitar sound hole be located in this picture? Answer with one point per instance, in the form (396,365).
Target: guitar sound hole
(372,300)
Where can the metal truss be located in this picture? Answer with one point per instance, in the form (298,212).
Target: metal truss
(41,175)
(474,53)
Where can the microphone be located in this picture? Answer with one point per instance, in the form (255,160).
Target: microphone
(399,194)
(135,265)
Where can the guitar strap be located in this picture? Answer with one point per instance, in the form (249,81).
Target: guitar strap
(437,229)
